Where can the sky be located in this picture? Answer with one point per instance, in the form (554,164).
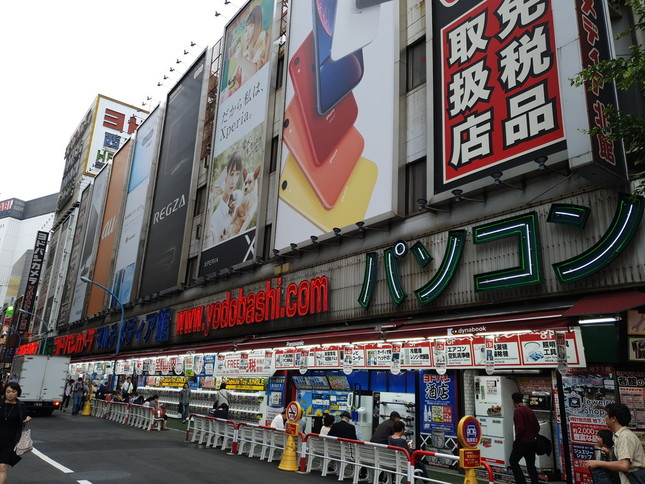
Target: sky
(58,56)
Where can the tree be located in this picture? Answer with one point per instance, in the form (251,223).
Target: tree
(626,71)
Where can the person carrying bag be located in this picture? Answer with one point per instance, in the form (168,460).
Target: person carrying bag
(15,438)
(628,450)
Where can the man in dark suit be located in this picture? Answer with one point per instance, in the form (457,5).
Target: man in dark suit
(343,428)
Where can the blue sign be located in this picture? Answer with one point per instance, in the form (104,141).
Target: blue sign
(438,402)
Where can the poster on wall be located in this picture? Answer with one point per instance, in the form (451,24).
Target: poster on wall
(172,185)
(497,101)
(239,143)
(110,220)
(586,393)
(338,144)
(631,387)
(145,152)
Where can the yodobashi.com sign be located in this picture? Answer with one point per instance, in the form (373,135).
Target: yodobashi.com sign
(272,302)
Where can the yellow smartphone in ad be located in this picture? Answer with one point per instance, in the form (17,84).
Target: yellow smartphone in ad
(351,205)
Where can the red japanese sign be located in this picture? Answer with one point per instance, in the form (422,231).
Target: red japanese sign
(469,458)
(499,97)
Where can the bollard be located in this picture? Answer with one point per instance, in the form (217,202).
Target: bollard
(289,457)
(87,409)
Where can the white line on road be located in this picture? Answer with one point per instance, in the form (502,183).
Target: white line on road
(52,462)
(84,482)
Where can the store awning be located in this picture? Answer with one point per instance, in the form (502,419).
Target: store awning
(607,303)
(533,321)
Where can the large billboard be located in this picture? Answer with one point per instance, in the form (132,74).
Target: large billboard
(106,126)
(111,220)
(90,240)
(240,138)
(166,233)
(145,152)
(338,163)
(497,97)
(75,256)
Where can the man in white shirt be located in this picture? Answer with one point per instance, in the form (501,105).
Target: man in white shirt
(628,450)
(126,389)
(278,420)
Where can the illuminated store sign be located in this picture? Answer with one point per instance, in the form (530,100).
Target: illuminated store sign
(624,225)
(302,299)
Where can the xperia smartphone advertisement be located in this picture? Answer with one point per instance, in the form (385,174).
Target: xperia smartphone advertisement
(239,147)
(338,129)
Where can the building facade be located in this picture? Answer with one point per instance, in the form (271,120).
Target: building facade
(399,207)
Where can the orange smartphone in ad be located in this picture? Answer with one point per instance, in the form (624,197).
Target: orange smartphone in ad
(322,132)
(351,206)
(329,178)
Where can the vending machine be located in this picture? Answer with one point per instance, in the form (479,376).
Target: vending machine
(494,410)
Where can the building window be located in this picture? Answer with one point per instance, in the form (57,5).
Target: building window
(416,57)
(273,164)
(200,200)
(279,74)
(415,185)
(191,269)
(267,247)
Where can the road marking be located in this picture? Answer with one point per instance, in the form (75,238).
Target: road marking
(84,482)
(52,462)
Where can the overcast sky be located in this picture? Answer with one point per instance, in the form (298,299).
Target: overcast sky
(58,56)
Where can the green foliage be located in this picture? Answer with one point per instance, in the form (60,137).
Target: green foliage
(627,71)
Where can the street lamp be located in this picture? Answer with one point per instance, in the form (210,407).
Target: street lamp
(118,338)
(42,322)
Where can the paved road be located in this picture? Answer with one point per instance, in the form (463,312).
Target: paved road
(98,451)
(87,450)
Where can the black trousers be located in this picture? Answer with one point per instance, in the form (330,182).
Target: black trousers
(526,450)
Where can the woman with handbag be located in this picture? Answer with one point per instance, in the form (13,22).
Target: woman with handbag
(13,417)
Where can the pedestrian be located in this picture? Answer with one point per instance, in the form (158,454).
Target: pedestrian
(385,429)
(126,389)
(79,391)
(278,420)
(67,395)
(220,412)
(605,441)
(160,412)
(184,402)
(628,451)
(136,399)
(102,391)
(328,421)
(397,439)
(343,428)
(15,418)
(527,429)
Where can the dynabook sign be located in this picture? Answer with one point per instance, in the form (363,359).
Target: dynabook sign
(301,299)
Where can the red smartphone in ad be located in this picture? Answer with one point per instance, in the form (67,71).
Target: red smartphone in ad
(329,178)
(323,132)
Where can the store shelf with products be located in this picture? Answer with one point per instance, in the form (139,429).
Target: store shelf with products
(201,401)
(247,406)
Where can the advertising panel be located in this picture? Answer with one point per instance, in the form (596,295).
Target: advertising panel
(439,400)
(106,127)
(88,253)
(586,393)
(145,152)
(338,129)
(111,220)
(75,256)
(174,174)
(240,139)
(497,101)
(35,268)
